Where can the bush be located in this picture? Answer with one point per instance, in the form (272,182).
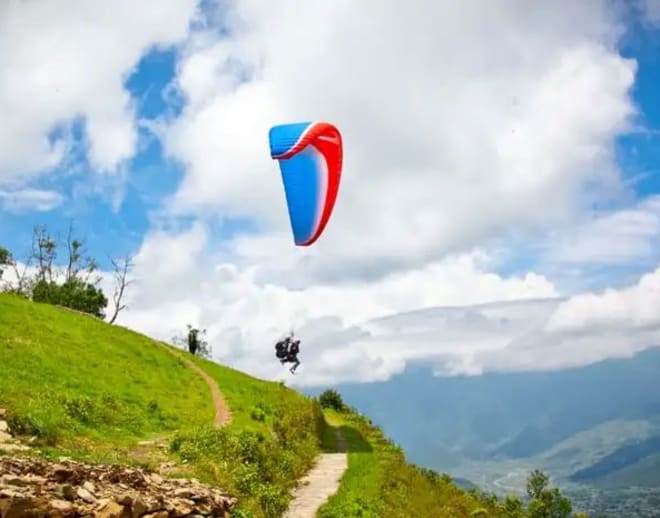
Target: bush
(332,399)
(73,294)
(258,414)
(259,465)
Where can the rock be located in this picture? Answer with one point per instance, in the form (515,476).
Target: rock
(125,499)
(61,473)
(183,508)
(66,491)
(139,508)
(112,510)
(85,495)
(89,487)
(4,427)
(35,487)
(10,480)
(62,507)
(183,492)
(16,507)
(3,413)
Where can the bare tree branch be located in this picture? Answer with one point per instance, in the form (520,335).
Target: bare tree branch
(121,270)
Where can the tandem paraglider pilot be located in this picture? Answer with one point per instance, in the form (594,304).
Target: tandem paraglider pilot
(287,351)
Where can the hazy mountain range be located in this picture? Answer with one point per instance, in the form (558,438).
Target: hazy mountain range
(596,426)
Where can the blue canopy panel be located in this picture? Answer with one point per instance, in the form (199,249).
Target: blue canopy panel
(310,159)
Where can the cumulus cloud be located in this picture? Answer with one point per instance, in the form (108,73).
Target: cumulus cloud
(633,308)
(465,121)
(24,200)
(651,9)
(615,237)
(453,314)
(66,61)
(179,282)
(468,122)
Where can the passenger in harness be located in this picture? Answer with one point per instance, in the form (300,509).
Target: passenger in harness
(292,357)
(287,352)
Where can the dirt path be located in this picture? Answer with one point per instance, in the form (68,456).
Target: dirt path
(222,412)
(320,483)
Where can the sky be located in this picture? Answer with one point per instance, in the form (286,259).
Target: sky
(499,207)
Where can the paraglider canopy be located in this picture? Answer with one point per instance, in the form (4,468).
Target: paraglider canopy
(310,158)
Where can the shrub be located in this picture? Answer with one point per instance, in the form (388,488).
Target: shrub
(258,465)
(332,399)
(258,414)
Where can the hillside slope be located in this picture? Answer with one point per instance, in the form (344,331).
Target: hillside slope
(74,381)
(98,393)
(82,388)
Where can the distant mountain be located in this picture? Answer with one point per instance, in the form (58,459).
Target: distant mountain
(637,463)
(444,423)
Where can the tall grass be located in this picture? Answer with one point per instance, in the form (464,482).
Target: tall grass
(272,441)
(379,481)
(64,377)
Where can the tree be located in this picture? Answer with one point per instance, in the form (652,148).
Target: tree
(80,266)
(21,283)
(331,399)
(5,260)
(121,269)
(44,251)
(546,502)
(194,342)
(74,294)
(513,507)
(71,285)
(536,484)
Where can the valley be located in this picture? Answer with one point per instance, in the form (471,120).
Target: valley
(594,430)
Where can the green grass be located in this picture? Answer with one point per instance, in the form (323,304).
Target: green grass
(379,481)
(272,441)
(79,384)
(92,391)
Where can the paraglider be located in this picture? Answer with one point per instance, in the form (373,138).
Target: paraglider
(287,351)
(310,159)
(310,156)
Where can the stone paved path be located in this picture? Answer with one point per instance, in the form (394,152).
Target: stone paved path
(320,483)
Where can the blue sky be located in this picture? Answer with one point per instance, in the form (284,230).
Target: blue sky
(432,182)
(109,228)
(149,178)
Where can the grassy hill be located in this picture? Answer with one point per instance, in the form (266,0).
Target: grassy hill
(96,392)
(504,416)
(82,388)
(379,481)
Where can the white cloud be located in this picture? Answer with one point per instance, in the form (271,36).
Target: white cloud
(179,282)
(463,122)
(632,308)
(453,314)
(615,237)
(25,200)
(597,248)
(651,10)
(68,59)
